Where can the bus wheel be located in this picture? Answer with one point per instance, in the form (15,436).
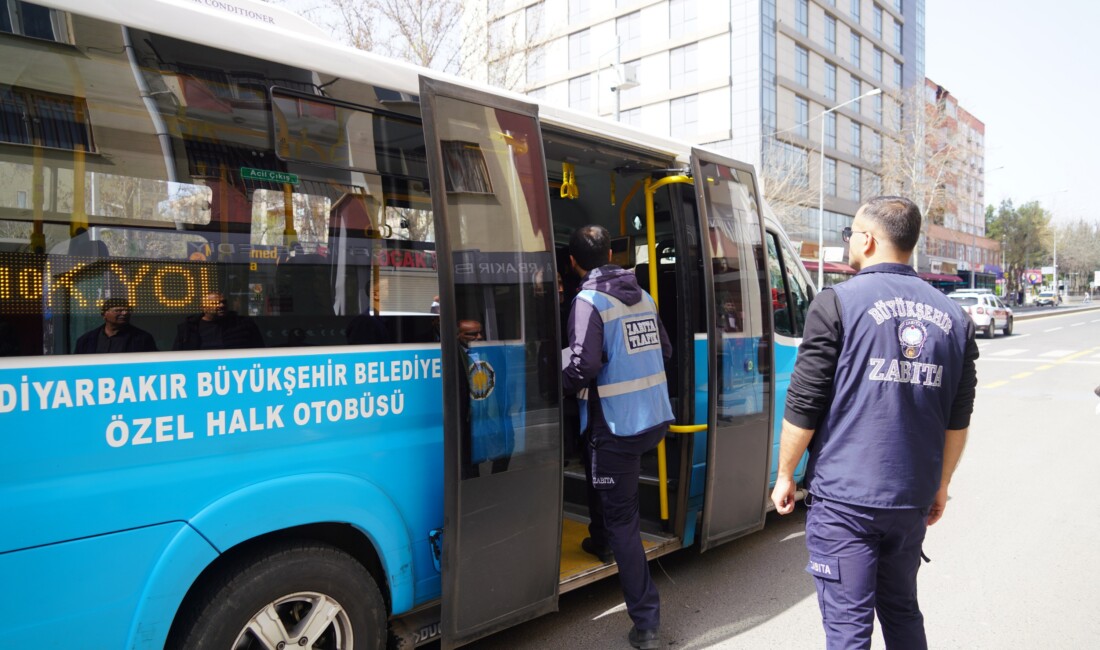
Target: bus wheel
(296,595)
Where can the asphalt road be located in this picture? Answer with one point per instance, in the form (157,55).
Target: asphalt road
(1013,561)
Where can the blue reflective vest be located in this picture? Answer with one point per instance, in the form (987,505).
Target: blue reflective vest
(880,443)
(631,386)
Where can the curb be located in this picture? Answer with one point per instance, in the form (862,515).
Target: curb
(1054,311)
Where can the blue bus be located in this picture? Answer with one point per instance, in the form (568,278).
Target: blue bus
(233,262)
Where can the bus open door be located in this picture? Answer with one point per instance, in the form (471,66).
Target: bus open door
(502,434)
(740,388)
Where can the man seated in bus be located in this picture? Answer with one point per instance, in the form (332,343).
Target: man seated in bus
(217,328)
(116,334)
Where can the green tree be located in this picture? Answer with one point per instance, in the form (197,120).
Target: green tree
(1025,237)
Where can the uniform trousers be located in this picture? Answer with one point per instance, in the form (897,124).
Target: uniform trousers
(865,560)
(612,467)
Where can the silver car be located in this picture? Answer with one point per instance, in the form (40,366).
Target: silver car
(986,310)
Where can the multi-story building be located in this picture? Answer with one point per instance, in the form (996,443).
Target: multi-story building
(753,79)
(955,243)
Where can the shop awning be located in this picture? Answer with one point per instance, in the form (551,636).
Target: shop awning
(940,277)
(830,267)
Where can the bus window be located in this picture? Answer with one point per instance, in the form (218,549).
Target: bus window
(789,288)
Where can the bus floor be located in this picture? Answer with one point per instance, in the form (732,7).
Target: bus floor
(578,568)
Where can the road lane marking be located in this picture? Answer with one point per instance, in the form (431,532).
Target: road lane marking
(1074,356)
(1046,367)
(1021,375)
(1056,353)
(1077,325)
(1008,353)
(1053,329)
(996,384)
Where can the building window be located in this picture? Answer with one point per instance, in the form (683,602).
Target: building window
(897,74)
(856,92)
(580,50)
(802,16)
(579,11)
(684,116)
(876,62)
(681,18)
(34,21)
(876,185)
(897,5)
(633,117)
(855,183)
(535,17)
(897,37)
(830,130)
(856,133)
(802,65)
(878,109)
(876,147)
(876,21)
(855,10)
(41,119)
(580,93)
(830,176)
(801,116)
(830,33)
(830,81)
(857,43)
(683,66)
(629,30)
(536,66)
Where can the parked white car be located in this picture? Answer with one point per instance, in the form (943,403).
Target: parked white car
(986,310)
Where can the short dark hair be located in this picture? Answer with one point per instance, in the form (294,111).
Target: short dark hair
(899,218)
(111,303)
(590,245)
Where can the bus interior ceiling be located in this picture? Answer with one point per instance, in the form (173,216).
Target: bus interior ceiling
(604,177)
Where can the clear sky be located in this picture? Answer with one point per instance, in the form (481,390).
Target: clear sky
(1030,72)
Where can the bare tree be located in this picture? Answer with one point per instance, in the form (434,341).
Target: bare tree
(785,178)
(921,154)
(1078,251)
(475,40)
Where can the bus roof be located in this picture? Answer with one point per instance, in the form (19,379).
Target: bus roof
(276,34)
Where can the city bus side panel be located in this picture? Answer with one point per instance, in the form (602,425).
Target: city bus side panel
(74,599)
(237,466)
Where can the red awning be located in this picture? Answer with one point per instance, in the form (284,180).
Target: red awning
(940,277)
(830,267)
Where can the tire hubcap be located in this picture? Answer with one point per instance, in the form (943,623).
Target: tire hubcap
(302,620)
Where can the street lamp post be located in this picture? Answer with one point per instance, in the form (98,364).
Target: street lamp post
(821,188)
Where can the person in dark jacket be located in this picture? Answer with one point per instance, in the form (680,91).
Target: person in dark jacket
(881,395)
(617,350)
(217,328)
(116,334)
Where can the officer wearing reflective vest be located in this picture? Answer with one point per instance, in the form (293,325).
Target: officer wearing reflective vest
(881,395)
(615,365)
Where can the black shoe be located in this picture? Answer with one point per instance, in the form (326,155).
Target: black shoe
(644,639)
(602,552)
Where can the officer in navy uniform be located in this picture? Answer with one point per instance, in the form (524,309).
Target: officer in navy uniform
(617,349)
(882,395)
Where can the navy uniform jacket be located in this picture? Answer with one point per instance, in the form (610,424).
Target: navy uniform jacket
(886,366)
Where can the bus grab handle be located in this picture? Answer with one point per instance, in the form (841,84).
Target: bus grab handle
(662,462)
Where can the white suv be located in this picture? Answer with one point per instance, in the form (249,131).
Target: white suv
(986,310)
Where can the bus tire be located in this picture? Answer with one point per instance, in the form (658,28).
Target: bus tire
(269,595)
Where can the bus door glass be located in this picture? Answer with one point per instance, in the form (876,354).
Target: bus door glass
(740,390)
(502,434)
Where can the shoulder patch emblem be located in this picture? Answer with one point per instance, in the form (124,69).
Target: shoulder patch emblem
(912,335)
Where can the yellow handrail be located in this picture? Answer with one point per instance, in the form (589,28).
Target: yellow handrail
(651,187)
